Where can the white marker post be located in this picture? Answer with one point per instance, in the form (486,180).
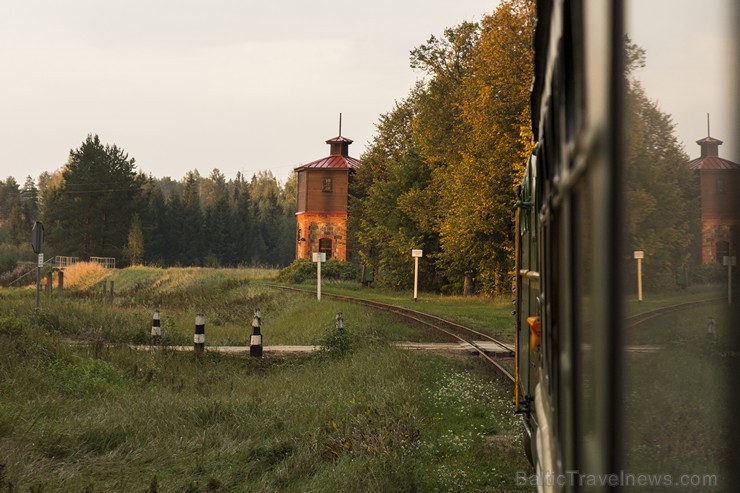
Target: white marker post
(416,254)
(318,258)
(639,255)
(729,262)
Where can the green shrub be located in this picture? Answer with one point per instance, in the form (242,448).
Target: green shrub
(81,376)
(299,271)
(337,342)
(340,271)
(11,325)
(707,274)
(302,270)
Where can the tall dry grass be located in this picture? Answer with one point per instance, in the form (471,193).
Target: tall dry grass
(84,275)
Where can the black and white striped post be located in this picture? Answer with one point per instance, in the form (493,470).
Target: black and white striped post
(156,328)
(200,333)
(255,342)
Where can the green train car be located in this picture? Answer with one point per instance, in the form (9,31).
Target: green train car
(599,414)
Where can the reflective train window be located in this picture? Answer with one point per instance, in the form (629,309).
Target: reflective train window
(680,142)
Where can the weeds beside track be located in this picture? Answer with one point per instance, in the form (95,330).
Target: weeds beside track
(450,328)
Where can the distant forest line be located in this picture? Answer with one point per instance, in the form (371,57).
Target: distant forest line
(98,205)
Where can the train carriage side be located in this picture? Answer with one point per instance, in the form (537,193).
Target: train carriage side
(567,285)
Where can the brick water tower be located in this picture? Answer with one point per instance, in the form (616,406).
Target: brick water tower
(321,218)
(720,221)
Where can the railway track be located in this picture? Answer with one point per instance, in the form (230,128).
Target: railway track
(639,319)
(457,331)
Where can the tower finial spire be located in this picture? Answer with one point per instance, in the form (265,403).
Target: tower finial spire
(708,133)
(340,124)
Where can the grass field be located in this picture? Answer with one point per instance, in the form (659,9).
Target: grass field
(652,301)
(676,398)
(493,316)
(358,416)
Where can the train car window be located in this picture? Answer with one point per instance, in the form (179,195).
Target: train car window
(583,275)
(573,68)
(676,224)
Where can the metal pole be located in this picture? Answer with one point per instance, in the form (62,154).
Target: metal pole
(48,286)
(416,276)
(318,280)
(60,289)
(639,280)
(38,294)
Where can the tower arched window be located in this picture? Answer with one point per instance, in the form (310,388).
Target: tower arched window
(325,247)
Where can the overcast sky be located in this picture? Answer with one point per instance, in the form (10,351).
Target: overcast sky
(689,70)
(182,84)
(246,86)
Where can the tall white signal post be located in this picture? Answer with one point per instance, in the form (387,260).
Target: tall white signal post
(639,255)
(416,254)
(318,258)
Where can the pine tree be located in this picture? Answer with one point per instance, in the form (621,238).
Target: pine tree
(192,222)
(90,212)
(153,214)
(175,234)
(30,200)
(10,197)
(218,221)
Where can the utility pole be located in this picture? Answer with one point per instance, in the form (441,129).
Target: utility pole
(37,241)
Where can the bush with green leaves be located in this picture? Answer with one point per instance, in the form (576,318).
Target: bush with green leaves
(707,274)
(302,270)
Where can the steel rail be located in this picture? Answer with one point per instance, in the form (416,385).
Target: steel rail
(640,318)
(403,311)
(419,317)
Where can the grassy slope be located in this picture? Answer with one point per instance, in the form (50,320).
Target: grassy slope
(100,418)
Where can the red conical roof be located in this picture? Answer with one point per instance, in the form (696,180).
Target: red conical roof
(337,159)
